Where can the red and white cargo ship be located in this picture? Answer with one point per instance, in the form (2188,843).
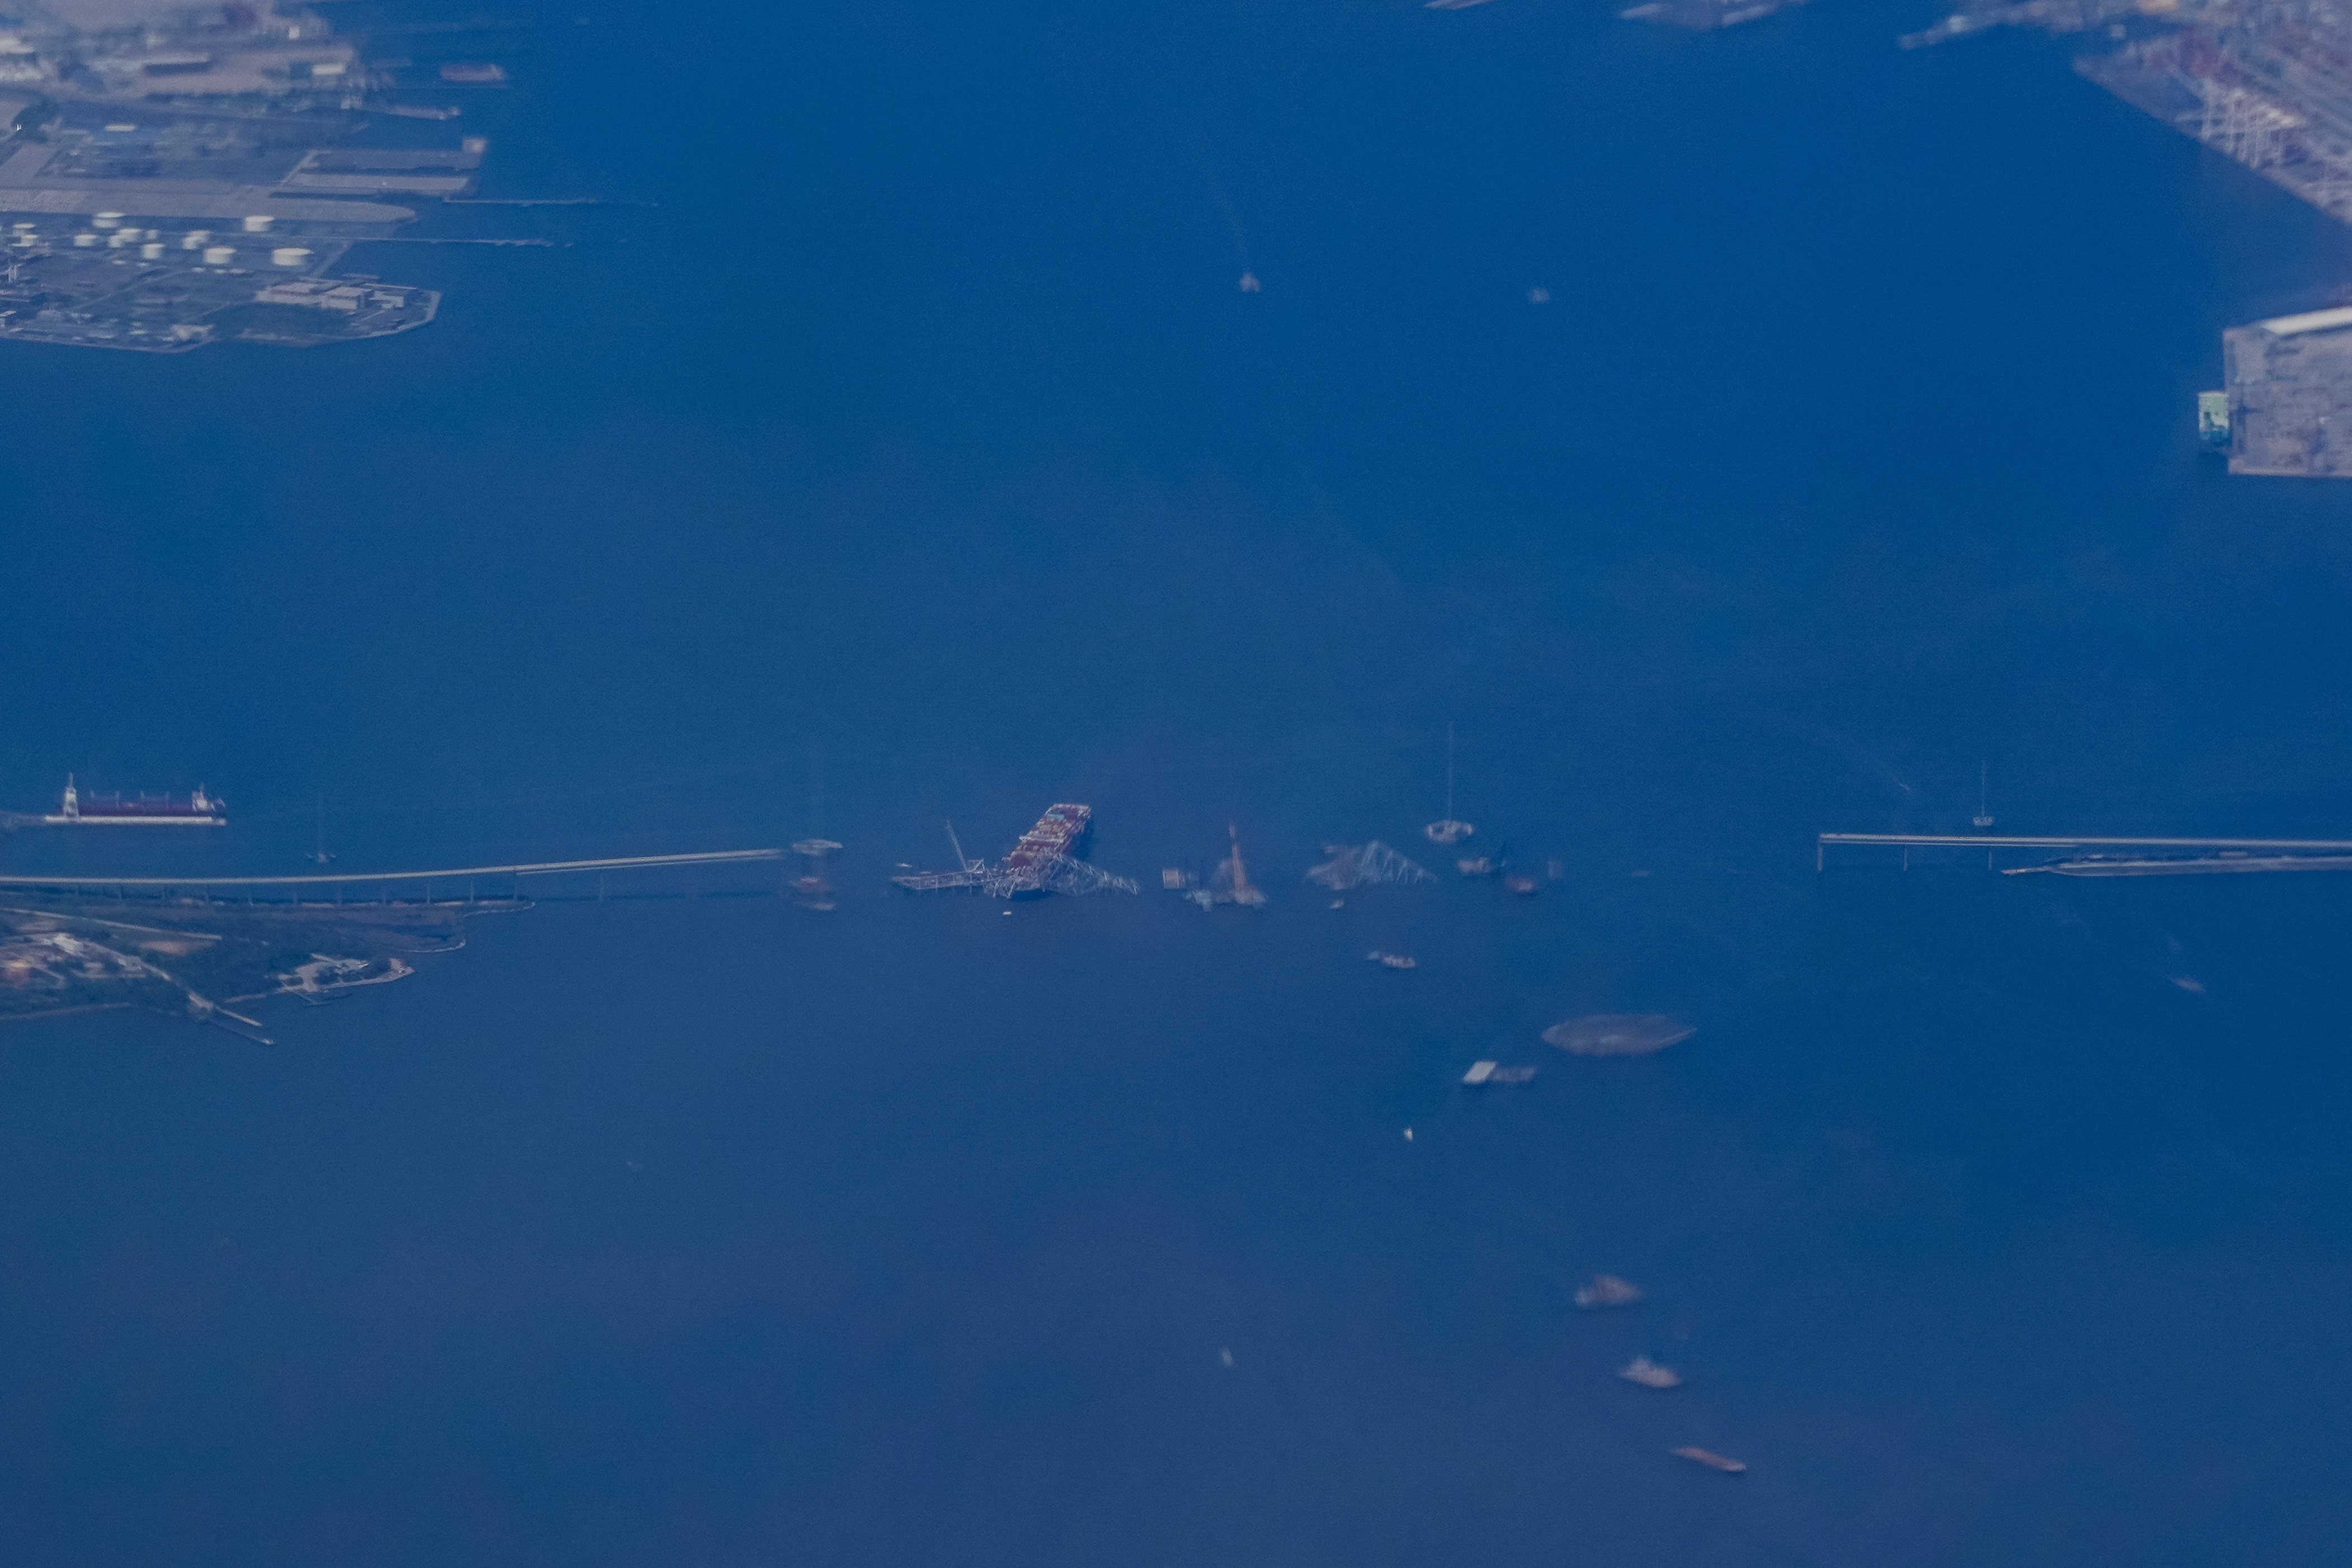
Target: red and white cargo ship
(198,810)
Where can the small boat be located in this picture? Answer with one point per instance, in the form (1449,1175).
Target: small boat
(1712,1460)
(1393,961)
(1496,1073)
(1480,1072)
(1608,1291)
(1649,1373)
(1481,866)
(1525,886)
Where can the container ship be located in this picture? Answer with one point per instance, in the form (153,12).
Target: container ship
(198,810)
(1046,860)
(1060,833)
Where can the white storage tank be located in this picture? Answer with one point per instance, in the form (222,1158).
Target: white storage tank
(151,251)
(257,223)
(290,255)
(85,239)
(196,239)
(219,255)
(106,221)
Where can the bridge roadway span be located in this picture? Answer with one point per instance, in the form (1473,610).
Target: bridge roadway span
(333,879)
(2013,841)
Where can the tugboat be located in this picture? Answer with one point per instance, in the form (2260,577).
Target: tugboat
(2214,419)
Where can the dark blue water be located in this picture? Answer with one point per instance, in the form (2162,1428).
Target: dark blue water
(917,453)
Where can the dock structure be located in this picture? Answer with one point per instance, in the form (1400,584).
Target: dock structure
(2214,854)
(339,882)
(2288,386)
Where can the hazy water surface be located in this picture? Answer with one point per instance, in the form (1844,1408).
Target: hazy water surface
(916,457)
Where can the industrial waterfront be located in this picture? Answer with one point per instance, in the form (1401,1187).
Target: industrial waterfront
(191,183)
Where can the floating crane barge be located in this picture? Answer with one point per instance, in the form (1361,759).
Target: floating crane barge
(1046,860)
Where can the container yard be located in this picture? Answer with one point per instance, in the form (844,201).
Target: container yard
(2267,83)
(2290,395)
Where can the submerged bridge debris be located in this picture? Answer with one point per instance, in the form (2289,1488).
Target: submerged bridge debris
(1373,864)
